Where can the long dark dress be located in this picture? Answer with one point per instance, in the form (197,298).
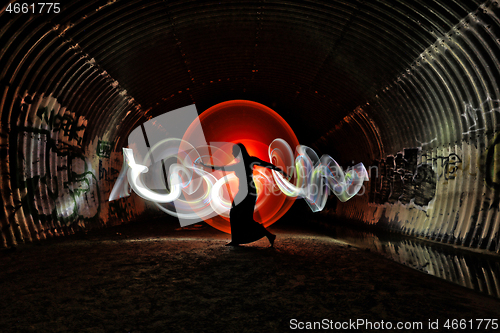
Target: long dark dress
(244,229)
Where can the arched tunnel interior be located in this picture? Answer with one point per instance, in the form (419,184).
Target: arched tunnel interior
(408,88)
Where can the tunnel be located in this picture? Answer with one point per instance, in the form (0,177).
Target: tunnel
(408,88)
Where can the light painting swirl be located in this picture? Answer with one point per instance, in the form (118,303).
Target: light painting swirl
(191,193)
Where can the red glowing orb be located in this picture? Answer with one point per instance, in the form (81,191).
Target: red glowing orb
(256,126)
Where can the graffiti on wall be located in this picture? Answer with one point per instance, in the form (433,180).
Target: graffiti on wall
(424,182)
(401,179)
(491,162)
(57,183)
(474,116)
(447,166)
(109,169)
(107,173)
(104,149)
(65,123)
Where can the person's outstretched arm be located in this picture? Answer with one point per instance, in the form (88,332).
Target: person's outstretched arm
(230,167)
(268,165)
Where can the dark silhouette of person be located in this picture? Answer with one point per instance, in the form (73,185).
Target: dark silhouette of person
(244,229)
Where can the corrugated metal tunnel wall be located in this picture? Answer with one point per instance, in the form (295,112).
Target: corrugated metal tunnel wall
(410,88)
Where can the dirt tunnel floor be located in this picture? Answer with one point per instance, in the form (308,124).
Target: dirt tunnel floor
(149,277)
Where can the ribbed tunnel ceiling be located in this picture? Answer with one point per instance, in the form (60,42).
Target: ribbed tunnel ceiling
(359,80)
(316,61)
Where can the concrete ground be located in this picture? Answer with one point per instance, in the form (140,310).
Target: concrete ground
(150,277)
